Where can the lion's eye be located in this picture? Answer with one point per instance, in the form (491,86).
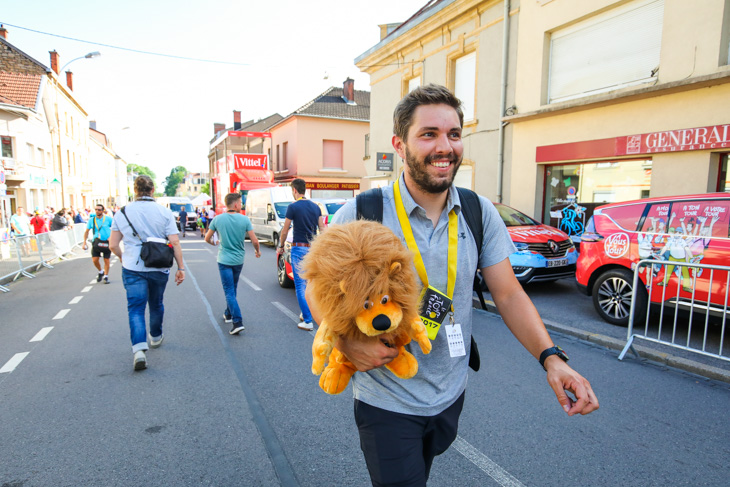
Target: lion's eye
(385,299)
(367,305)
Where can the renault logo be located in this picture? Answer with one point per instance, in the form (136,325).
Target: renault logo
(554,247)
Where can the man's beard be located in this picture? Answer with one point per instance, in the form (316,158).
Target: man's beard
(422,178)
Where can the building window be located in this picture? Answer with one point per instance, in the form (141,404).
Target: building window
(332,154)
(7,147)
(613,50)
(284,151)
(276,164)
(465,72)
(31,154)
(414,83)
(725,35)
(573,191)
(367,146)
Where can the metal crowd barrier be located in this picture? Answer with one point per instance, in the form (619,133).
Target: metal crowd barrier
(19,255)
(702,303)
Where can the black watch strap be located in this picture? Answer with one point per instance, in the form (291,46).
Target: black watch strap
(556,350)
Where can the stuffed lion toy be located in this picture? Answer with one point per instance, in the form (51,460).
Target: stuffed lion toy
(363,284)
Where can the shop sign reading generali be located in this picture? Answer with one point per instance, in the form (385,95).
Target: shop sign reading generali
(700,138)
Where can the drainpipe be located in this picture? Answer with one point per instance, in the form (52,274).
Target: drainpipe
(503,100)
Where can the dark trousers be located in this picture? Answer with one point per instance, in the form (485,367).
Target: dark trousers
(399,448)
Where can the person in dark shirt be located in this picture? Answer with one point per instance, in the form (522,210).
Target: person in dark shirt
(307,218)
(183,220)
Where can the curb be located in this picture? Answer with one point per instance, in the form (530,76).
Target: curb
(667,359)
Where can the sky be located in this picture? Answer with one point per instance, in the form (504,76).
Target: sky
(159,110)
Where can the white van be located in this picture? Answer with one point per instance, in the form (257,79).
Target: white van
(266,208)
(174,204)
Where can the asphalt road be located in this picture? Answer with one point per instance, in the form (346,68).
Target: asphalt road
(213,409)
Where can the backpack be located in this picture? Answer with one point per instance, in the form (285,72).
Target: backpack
(369,206)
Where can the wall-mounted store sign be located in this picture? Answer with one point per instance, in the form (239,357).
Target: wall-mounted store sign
(333,186)
(384,161)
(699,138)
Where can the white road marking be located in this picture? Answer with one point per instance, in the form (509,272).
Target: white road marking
(486,464)
(291,315)
(93,281)
(13,362)
(86,289)
(250,283)
(111,265)
(61,314)
(76,300)
(41,334)
(286,311)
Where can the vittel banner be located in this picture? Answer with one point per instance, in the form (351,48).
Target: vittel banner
(251,161)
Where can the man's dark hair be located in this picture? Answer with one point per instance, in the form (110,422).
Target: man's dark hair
(430,94)
(99,204)
(232,198)
(300,185)
(144,186)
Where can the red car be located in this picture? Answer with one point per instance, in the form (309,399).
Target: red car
(687,229)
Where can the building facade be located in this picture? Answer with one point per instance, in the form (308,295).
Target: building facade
(618,101)
(570,103)
(324,142)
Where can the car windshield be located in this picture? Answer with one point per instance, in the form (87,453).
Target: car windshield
(177,206)
(514,218)
(281,208)
(333,207)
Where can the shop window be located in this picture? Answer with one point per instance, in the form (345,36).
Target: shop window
(332,154)
(7,143)
(600,54)
(465,71)
(573,191)
(723,184)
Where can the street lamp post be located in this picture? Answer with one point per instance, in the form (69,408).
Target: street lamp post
(90,55)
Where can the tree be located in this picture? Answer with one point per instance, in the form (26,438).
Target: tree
(136,169)
(177,174)
(205,188)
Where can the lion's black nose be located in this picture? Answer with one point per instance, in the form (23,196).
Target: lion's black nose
(381,323)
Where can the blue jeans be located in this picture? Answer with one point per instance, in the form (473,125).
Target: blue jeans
(144,288)
(297,254)
(229,279)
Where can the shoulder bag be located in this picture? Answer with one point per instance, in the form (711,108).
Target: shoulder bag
(156,252)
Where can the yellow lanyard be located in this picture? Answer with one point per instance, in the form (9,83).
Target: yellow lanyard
(411,243)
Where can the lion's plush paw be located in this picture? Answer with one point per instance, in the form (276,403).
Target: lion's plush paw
(404,366)
(335,378)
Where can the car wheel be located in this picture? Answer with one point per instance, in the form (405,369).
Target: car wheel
(284,280)
(612,295)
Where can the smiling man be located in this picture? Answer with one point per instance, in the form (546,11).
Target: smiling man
(404,424)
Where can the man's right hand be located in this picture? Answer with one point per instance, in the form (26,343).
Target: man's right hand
(85,246)
(366,353)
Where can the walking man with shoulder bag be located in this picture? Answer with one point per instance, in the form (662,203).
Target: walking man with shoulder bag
(144,223)
(102,229)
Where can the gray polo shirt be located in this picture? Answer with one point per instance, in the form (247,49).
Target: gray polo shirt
(440,379)
(150,219)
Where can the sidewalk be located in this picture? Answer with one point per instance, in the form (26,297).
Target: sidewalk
(645,352)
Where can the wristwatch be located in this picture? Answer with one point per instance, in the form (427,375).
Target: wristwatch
(556,350)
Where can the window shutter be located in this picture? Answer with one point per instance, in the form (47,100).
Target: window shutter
(616,49)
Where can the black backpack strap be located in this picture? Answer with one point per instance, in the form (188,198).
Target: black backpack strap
(471,208)
(369,205)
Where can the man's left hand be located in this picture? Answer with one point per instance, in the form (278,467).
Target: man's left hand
(562,378)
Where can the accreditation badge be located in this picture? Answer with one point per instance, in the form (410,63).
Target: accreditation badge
(435,305)
(455,339)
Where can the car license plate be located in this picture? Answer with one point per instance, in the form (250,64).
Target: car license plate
(557,262)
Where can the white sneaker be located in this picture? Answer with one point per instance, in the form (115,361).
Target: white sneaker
(227,320)
(306,325)
(156,342)
(140,360)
